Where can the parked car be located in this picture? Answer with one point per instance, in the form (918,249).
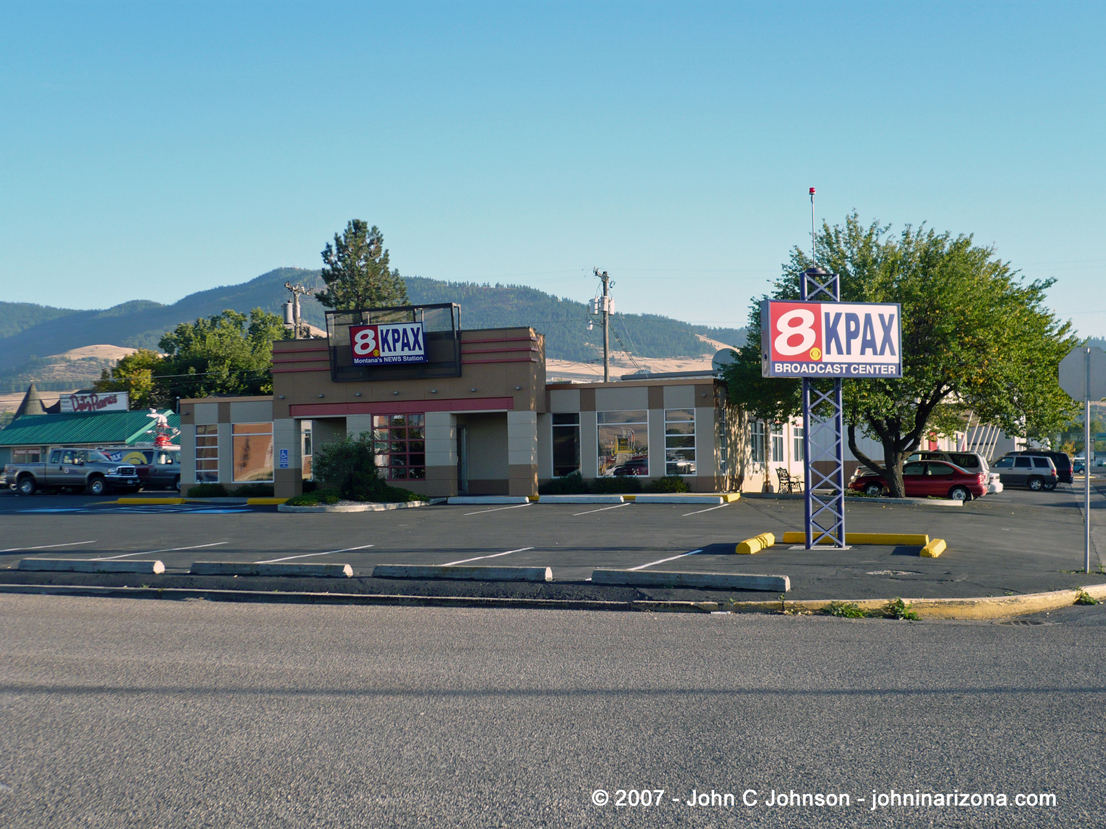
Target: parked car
(1022,469)
(1060,460)
(971,461)
(922,479)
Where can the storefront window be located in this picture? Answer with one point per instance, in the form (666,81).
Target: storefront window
(24,455)
(253,452)
(207,454)
(623,439)
(399,443)
(679,441)
(566,444)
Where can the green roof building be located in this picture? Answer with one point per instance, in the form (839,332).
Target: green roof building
(27,439)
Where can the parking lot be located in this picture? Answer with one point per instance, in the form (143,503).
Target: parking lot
(1013,542)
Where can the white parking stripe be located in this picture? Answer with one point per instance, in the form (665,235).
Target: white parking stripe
(590,511)
(46,546)
(170,550)
(308,555)
(708,509)
(663,560)
(495,555)
(497,509)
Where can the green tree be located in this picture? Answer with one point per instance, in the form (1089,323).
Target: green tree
(976,337)
(135,374)
(226,353)
(356,271)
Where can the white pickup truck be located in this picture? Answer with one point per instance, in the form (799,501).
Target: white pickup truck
(84,469)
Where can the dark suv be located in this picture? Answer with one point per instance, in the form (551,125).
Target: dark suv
(1059,459)
(1023,469)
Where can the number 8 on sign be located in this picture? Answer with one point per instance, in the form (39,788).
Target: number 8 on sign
(364,342)
(798,323)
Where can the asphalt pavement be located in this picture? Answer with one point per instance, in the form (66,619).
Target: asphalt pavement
(124,714)
(1012,543)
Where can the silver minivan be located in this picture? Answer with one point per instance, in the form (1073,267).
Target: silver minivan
(1034,471)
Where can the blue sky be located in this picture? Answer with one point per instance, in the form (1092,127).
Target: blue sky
(150,150)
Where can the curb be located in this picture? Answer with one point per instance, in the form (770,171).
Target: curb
(949,609)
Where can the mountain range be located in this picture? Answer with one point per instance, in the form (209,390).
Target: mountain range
(30,334)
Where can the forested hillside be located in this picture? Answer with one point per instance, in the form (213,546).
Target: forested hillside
(34,331)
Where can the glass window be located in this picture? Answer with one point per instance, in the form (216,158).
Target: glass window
(1004,463)
(252,444)
(777,443)
(797,443)
(1040,462)
(399,443)
(940,469)
(305,455)
(566,444)
(679,441)
(914,469)
(27,455)
(756,442)
(623,442)
(207,454)
(1022,463)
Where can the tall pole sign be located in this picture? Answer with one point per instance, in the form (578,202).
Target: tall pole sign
(821,338)
(1083,377)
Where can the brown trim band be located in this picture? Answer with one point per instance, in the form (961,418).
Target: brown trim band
(403,407)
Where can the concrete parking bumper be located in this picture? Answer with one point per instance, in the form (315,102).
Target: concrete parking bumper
(717,581)
(461,572)
(61,565)
(236,568)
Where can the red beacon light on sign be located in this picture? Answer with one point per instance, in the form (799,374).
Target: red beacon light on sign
(812,191)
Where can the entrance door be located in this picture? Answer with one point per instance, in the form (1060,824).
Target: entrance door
(462,461)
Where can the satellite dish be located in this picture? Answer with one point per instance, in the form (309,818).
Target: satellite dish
(722,358)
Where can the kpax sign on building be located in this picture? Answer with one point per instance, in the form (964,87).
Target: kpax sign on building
(847,340)
(385,344)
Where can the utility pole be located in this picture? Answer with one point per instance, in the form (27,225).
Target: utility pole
(293,306)
(603,308)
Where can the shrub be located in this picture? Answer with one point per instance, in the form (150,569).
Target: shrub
(308,499)
(618,485)
(573,484)
(349,465)
(669,483)
(207,491)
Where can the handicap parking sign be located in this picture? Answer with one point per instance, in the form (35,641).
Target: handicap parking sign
(283,458)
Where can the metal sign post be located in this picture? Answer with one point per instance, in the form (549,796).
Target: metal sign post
(1083,377)
(825,514)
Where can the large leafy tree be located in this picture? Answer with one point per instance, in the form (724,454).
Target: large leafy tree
(976,338)
(357,273)
(134,374)
(227,353)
